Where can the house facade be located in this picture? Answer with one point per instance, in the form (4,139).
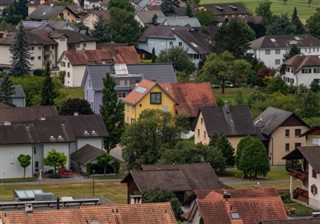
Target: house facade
(162,37)
(144,18)
(271,48)
(281,131)
(19,97)
(126,77)
(301,70)
(91,4)
(147,95)
(233,121)
(47,12)
(92,17)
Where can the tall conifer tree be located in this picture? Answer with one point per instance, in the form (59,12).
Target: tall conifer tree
(6,90)
(48,92)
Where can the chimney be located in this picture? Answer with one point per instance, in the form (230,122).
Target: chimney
(226,195)
(135,199)
(58,203)
(28,208)
(75,113)
(7,123)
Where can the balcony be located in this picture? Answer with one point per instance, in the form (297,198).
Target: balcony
(301,195)
(303,176)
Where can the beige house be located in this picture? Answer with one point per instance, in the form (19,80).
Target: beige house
(92,17)
(47,12)
(281,131)
(233,121)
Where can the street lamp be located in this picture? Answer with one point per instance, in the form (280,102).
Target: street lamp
(93,172)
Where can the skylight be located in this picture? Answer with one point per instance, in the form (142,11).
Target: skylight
(235,215)
(297,38)
(141,89)
(193,44)
(273,40)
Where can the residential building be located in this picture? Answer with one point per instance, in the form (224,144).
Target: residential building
(301,70)
(126,77)
(179,21)
(281,131)
(144,18)
(155,213)
(92,17)
(147,95)
(19,97)
(47,12)
(230,206)
(74,63)
(271,48)
(142,5)
(4,4)
(225,11)
(309,174)
(162,37)
(91,4)
(46,46)
(49,25)
(182,179)
(234,122)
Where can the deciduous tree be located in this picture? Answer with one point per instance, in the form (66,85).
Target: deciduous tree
(103,160)
(73,105)
(264,10)
(55,159)
(121,4)
(167,7)
(7,90)
(111,111)
(25,161)
(205,17)
(20,53)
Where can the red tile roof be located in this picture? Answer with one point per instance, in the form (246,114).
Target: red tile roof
(150,213)
(252,205)
(190,97)
(116,54)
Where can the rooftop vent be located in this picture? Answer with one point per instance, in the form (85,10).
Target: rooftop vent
(226,107)
(93,132)
(60,138)
(75,113)
(52,138)
(28,208)
(7,123)
(219,8)
(42,118)
(234,8)
(86,133)
(226,195)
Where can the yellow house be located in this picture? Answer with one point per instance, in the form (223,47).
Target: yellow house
(147,95)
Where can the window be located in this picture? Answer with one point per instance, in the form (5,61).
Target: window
(287,147)
(34,150)
(32,48)
(287,133)
(316,80)
(180,44)
(133,109)
(205,134)
(63,64)
(316,70)
(306,70)
(171,43)
(155,98)
(90,83)
(277,61)
(314,173)
(12,157)
(39,47)
(68,74)
(39,57)
(288,69)
(68,65)
(267,52)
(198,132)
(31,58)
(84,44)
(296,145)
(77,45)
(277,51)
(297,132)
(201,120)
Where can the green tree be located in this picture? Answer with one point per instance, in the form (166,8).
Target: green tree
(121,4)
(294,50)
(154,19)
(16,11)
(215,157)
(122,27)
(224,67)
(55,159)
(7,90)
(162,195)
(20,53)
(154,131)
(315,87)
(281,25)
(153,56)
(242,144)
(167,7)
(254,160)
(264,10)
(309,2)
(296,22)
(239,98)
(205,17)
(189,10)
(220,142)
(25,161)
(111,111)
(233,37)
(48,92)
(103,160)
(309,106)
(313,25)
(75,105)
(277,84)
(100,29)
(179,58)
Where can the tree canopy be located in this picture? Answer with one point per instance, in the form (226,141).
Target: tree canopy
(111,111)
(7,90)
(16,11)
(205,17)
(73,105)
(281,25)
(100,29)
(296,22)
(234,37)
(220,142)
(103,160)
(121,4)
(55,159)
(294,50)
(313,24)
(25,161)
(264,10)
(48,91)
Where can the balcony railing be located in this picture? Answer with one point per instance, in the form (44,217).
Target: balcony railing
(303,176)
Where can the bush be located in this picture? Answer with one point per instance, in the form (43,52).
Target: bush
(38,72)
(296,165)
(285,196)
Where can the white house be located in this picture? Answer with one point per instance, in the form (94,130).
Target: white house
(162,37)
(92,17)
(301,70)
(271,48)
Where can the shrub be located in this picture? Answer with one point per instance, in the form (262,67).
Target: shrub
(38,72)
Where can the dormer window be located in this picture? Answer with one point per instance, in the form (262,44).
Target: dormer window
(288,69)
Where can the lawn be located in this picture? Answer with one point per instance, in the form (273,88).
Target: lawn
(276,173)
(112,190)
(278,7)
(76,92)
(231,93)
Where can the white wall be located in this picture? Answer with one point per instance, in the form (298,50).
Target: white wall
(302,78)
(314,200)
(60,147)
(96,142)
(5,55)
(9,163)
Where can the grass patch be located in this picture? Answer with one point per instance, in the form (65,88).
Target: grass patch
(281,185)
(14,180)
(112,190)
(76,92)
(231,94)
(111,177)
(301,210)
(278,7)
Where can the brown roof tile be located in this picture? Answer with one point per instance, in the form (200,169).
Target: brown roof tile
(118,54)
(190,97)
(297,62)
(252,205)
(136,95)
(150,213)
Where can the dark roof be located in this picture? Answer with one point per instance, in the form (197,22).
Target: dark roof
(85,154)
(93,124)
(222,9)
(18,134)
(19,93)
(229,120)
(26,113)
(5,2)
(270,119)
(179,21)
(34,37)
(46,12)
(146,16)
(293,221)
(159,72)
(285,41)
(297,62)
(161,31)
(72,36)
(310,153)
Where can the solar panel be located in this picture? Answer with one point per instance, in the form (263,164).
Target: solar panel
(141,89)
